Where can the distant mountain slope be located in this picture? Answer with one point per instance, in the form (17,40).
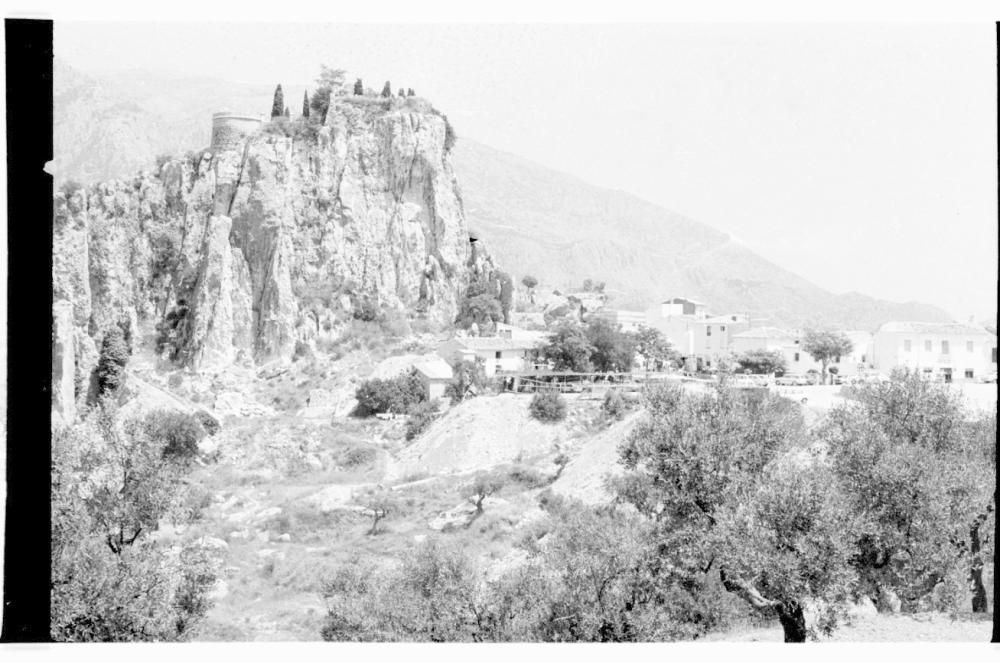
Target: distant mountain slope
(562,230)
(535,220)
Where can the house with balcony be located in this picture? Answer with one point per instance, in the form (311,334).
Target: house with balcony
(952,352)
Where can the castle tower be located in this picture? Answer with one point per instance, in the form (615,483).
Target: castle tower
(229,130)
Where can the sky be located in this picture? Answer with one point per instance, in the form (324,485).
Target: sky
(860,156)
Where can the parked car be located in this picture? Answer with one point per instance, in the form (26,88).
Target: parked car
(989,378)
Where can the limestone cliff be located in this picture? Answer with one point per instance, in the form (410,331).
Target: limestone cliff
(277,239)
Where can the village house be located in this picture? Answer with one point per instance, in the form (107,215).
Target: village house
(797,360)
(512,349)
(946,351)
(701,339)
(435,373)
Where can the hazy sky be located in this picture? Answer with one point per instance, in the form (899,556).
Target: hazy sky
(861,156)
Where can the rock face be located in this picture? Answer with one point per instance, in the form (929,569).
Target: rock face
(277,240)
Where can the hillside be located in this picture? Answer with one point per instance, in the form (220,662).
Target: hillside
(535,220)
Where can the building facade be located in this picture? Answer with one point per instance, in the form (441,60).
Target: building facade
(700,338)
(952,352)
(498,353)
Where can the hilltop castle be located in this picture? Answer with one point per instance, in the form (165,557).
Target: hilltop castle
(229,130)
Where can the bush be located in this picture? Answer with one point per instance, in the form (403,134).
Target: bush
(548,406)
(358,455)
(614,406)
(302,350)
(209,423)
(396,395)
(421,417)
(469,380)
(177,432)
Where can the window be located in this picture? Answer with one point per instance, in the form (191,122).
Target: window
(969,374)
(907,345)
(994,355)
(499,354)
(945,348)
(970,346)
(708,330)
(722,328)
(796,356)
(836,360)
(927,346)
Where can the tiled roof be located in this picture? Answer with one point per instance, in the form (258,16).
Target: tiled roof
(765,332)
(938,328)
(436,369)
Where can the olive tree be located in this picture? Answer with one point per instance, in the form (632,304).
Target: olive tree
(919,472)
(707,469)
(111,485)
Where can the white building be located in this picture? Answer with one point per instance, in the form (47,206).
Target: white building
(435,373)
(511,352)
(702,339)
(948,351)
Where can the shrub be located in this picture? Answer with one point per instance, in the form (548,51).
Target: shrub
(177,432)
(548,406)
(421,417)
(209,423)
(614,406)
(469,380)
(397,395)
(302,349)
(358,455)
(527,476)
(113,359)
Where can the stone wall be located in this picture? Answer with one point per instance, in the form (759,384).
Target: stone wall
(229,130)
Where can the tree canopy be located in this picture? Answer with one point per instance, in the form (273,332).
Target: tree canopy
(826,346)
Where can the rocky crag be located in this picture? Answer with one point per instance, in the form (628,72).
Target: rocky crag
(268,239)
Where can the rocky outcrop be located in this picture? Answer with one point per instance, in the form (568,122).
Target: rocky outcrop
(220,327)
(280,240)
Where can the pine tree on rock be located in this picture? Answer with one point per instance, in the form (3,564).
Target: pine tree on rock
(387,90)
(278,105)
(305,104)
(359,88)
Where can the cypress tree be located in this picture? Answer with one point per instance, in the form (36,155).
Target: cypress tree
(387,90)
(287,113)
(359,88)
(278,105)
(402,92)
(410,92)
(305,104)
